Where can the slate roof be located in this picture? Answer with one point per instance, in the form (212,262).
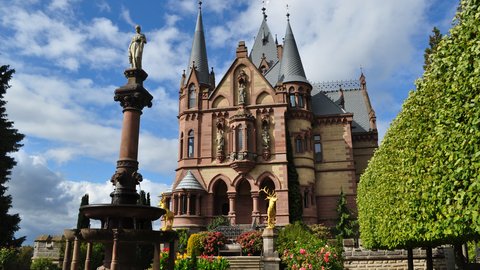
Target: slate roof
(199,52)
(189,182)
(354,102)
(264,45)
(291,65)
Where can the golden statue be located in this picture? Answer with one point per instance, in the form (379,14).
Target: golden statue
(168,217)
(272,211)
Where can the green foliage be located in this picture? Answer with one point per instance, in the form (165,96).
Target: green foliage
(195,244)
(301,248)
(251,243)
(183,235)
(96,256)
(7,258)
(295,206)
(9,143)
(43,264)
(218,221)
(83,221)
(185,262)
(421,186)
(346,226)
(433,42)
(320,231)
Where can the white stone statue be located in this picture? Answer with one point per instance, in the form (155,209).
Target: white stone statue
(220,140)
(135,50)
(242,85)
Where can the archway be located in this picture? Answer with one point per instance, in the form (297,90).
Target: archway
(244,203)
(263,202)
(220,199)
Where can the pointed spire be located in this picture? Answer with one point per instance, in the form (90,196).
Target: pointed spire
(291,69)
(264,44)
(198,55)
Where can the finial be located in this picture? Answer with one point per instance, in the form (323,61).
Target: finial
(288,14)
(200,4)
(263,10)
(361,69)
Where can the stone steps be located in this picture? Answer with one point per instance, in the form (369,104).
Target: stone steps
(245,262)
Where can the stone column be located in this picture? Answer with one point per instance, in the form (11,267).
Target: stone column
(188,203)
(171,255)
(76,252)
(88,255)
(67,256)
(271,261)
(156,256)
(114,262)
(231,212)
(179,205)
(255,212)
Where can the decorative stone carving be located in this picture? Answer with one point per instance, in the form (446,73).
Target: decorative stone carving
(220,139)
(137,177)
(135,50)
(242,86)
(272,211)
(118,177)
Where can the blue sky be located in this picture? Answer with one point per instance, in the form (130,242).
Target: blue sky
(69,57)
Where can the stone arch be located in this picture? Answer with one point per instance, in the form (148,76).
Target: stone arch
(220,102)
(244,202)
(264,98)
(221,203)
(268,175)
(220,177)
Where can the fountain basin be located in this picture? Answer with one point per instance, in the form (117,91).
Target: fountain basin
(104,211)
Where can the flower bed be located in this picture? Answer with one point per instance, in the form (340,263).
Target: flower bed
(251,243)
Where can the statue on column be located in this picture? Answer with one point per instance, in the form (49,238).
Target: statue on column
(272,209)
(242,86)
(168,217)
(135,50)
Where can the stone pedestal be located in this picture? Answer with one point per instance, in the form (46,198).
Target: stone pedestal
(271,261)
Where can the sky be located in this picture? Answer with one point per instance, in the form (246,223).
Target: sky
(69,57)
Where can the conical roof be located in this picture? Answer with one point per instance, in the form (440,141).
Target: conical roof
(199,52)
(264,45)
(291,69)
(189,182)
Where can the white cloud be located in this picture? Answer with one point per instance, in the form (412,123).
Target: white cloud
(48,203)
(125,14)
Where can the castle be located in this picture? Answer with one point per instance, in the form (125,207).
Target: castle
(234,135)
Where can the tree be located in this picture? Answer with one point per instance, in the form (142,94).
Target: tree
(294,196)
(83,221)
(345,227)
(421,186)
(9,143)
(433,42)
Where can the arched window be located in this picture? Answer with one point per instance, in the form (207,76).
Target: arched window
(192,99)
(293,103)
(300,101)
(181,146)
(239,138)
(317,147)
(248,136)
(305,198)
(191,141)
(299,144)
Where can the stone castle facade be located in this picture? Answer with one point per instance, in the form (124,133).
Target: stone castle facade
(233,135)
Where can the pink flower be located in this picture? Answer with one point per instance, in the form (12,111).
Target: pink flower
(302,268)
(310,266)
(302,251)
(325,257)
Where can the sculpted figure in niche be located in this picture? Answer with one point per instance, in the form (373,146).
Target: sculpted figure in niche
(220,140)
(265,138)
(135,50)
(242,86)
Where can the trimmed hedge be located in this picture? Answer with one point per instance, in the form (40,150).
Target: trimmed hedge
(421,187)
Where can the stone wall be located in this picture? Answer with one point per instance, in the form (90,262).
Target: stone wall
(46,246)
(362,258)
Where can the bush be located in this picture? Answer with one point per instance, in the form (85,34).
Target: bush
(195,244)
(212,242)
(7,257)
(43,264)
(183,235)
(185,262)
(320,231)
(251,243)
(218,221)
(301,248)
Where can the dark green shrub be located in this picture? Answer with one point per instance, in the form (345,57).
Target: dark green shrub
(183,235)
(218,221)
(43,264)
(320,231)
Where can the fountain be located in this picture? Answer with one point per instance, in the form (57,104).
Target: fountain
(124,224)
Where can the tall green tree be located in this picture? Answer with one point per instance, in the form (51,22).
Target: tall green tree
(294,196)
(422,186)
(433,41)
(345,226)
(9,142)
(83,221)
